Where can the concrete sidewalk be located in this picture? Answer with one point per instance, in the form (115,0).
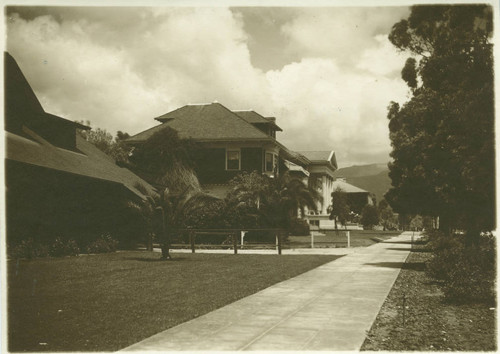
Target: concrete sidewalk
(328,308)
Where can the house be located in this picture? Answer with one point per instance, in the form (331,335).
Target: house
(231,142)
(57,184)
(356,197)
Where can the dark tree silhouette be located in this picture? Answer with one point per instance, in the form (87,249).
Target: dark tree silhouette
(443,137)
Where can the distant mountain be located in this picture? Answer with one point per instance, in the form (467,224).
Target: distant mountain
(373,178)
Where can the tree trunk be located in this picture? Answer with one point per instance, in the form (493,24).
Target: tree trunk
(150,242)
(165,237)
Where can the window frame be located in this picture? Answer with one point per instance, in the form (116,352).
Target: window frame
(273,164)
(239,159)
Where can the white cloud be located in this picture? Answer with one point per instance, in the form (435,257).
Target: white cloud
(119,68)
(324,107)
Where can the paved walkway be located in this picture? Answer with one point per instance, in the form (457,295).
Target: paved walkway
(328,308)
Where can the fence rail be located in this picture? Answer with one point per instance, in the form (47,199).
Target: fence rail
(234,233)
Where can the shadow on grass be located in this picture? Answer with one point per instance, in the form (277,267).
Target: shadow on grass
(399,242)
(410,266)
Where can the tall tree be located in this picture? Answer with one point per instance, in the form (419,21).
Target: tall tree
(340,207)
(443,137)
(386,215)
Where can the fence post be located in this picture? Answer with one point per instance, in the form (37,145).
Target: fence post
(191,240)
(243,234)
(279,242)
(348,239)
(235,243)
(312,239)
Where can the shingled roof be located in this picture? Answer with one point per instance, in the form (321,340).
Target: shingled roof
(91,162)
(205,122)
(255,118)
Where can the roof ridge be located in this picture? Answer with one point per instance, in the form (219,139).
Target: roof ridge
(250,124)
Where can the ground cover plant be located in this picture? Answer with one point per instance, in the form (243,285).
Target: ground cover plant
(431,323)
(106,302)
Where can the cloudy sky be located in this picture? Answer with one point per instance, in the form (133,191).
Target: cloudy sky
(326,74)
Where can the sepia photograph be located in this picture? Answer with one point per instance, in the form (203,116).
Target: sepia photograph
(249,176)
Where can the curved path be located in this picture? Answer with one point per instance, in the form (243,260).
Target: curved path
(328,308)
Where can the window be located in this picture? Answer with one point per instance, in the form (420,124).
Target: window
(269,162)
(233,160)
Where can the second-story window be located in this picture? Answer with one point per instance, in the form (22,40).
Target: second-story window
(233,161)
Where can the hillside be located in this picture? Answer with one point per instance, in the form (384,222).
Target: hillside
(373,178)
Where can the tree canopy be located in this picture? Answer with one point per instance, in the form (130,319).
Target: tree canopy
(340,207)
(443,137)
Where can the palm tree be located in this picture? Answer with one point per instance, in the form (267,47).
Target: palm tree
(274,199)
(296,195)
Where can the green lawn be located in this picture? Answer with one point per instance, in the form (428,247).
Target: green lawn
(107,302)
(359,238)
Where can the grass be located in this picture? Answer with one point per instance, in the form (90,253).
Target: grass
(431,324)
(359,238)
(108,302)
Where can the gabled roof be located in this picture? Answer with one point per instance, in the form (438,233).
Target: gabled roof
(346,187)
(27,122)
(92,162)
(205,122)
(255,118)
(21,104)
(321,157)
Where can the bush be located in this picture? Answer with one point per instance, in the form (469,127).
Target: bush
(104,244)
(29,249)
(299,227)
(61,248)
(369,217)
(468,273)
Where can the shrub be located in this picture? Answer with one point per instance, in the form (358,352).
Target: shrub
(29,249)
(468,273)
(299,227)
(369,217)
(104,244)
(61,248)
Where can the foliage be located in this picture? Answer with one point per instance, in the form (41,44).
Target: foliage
(116,148)
(340,207)
(62,247)
(29,249)
(468,273)
(299,227)
(203,211)
(167,160)
(443,138)
(256,200)
(165,153)
(104,244)
(417,223)
(369,216)
(296,195)
(386,216)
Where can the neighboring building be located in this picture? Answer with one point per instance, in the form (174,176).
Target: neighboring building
(231,141)
(356,197)
(323,165)
(57,183)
